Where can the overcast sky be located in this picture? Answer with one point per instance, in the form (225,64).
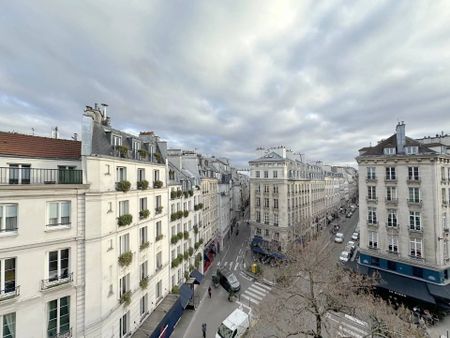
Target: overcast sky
(321,77)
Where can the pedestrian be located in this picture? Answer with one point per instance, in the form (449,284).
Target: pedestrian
(209,291)
(204,330)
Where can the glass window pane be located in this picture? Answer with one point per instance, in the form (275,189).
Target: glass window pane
(10,274)
(53,213)
(65,263)
(65,212)
(9,325)
(64,315)
(53,265)
(52,318)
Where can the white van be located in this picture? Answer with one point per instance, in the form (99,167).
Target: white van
(234,326)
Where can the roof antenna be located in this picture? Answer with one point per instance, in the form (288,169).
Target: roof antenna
(32,130)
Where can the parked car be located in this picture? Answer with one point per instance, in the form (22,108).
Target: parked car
(234,326)
(355,236)
(228,280)
(350,247)
(339,238)
(345,256)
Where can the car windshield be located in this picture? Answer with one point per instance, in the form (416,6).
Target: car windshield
(232,278)
(224,331)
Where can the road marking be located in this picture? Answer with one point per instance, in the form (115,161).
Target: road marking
(245,265)
(254,295)
(263,294)
(225,264)
(250,299)
(263,286)
(237,257)
(348,326)
(245,277)
(237,264)
(255,287)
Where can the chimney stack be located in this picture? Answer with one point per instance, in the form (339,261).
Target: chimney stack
(401,138)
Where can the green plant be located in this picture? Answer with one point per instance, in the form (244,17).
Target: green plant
(186,275)
(180,257)
(144,245)
(174,239)
(158,157)
(159,209)
(191,268)
(196,245)
(175,263)
(195,229)
(143,153)
(125,259)
(186,256)
(191,251)
(157,184)
(123,151)
(175,289)
(143,283)
(186,235)
(142,185)
(159,237)
(186,194)
(201,241)
(186,213)
(125,298)
(144,213)
(123,186)
(200,205)
(180,235)
(179,193)
(173,194)
(191,193)
(124,220)
(173,217)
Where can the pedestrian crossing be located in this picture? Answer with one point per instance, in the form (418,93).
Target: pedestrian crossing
(233,266)
(348,326)
(255,293)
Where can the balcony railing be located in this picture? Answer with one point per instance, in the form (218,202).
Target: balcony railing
(371,200)
(413,180)
(55,281)
(8,229)
(40,176)
(391,201)
(67,334)
(372,223)
(9,293)
(416,229)
(415,202)
(371,180)
(390,179)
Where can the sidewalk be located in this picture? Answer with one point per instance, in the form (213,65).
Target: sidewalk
(440,329)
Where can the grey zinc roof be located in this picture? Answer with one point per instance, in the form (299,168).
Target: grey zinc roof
(270,157)
(391,142)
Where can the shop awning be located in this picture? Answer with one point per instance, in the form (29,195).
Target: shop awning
(258,250)
(279,256)
(257,240)
(185,295)
(197,276)
(441,291)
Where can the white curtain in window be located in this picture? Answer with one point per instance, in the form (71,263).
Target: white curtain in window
(9,323)
(53,213)
(65,209)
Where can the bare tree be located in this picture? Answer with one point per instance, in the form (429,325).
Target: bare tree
(312,286)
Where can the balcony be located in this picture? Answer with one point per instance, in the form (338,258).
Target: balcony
(390,180)
(11,229)
(57,280)
(373,200)
(9,293)
(415,203)
(373,246)
(413,180)
(444,181)
(371,180)
(416,229)
(15,176)
(372,223)
(67,334)
(391,201)
(392,227)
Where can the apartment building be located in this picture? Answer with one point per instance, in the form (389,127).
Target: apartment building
(404,208)
(127,230)
(288,197)
(41,237)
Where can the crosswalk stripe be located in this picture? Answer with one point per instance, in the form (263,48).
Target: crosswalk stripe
(250,299)
(263,286)
(237,264)
(347,331)
(256,287)
(254,295)
(225,264)
(257,292)
(245,265)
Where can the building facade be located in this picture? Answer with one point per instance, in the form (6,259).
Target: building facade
(404,197)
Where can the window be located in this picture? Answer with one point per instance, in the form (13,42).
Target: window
(124,243)
(371,193)
(144,304)
(389,151)
(143,203)
(159,289)
(143,235)
(393,243)
(277,236)
(8,325)
(413,173)
(444,195)
(266,188)
(415,221)
(266,203)
(411,150)
(275,189)
(158,201)
(7,275)
(125,324)
(58,264)
(371,173)
(266,174)
(156,175)
(258,201)
(391,193)
(372,216)
(390,173)
(392,218)
(414,195)
(124,284)
(116,140)
(266,218)
(19,173)
(159,260)
(275,219)
(373,239)
(158,229)
(257,174)
(58,317)
(416,247)
(121,174)
(144,270)
(267,233)
(275,174)
(59,213)
(258,216)
(275,203)
(8,217)
(258,231)
(123,208)
(136,146)
(140,174)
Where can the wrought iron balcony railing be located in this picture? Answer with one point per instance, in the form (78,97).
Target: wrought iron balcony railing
(10,175)
(9,293)
(57,280)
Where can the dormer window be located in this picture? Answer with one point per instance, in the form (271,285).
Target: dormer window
(389,151)
(411,150)
(116,140)
(136,145)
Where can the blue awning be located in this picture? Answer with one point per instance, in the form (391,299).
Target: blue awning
(258,250)
(198,276)
(279,256)
(205,257)
(185,295)
(257,240)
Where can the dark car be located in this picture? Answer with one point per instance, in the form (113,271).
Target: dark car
(228,280)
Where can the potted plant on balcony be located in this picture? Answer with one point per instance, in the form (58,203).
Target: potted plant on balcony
(173,194)
(180,235)
(157,157)
(144,245)
(201,241)
(122,150)
(191,193)
(123,186)
(186,235)
(125,298)
(157,184)
(200,205)
(159,237)
(196,229)
(191,251)
(144,213)
(196,245)
(124,220)
(179,193)
(143,154)
(174,239)
(142,185)
(125,259)
(186,256)
(186,194)
(159,209)
(175,289)
(185,213)
(186,275)
(143,283)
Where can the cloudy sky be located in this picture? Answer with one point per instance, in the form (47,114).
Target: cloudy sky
(323,78)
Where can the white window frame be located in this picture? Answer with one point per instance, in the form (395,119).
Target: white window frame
(414,194)
(124,325)
(141,174)
(116,140)
(371,173)
(413,173)
(391,173)
(124,207)
(275,174)
(257,174)
(124,285)
(393,244)
(372,239)
(415,220)
(124,243)
(158,291)
(411,150)
(121,174)
(59,270)
(58,314)
(59,217)
(3,208)
(391,193)
(4,322)
(416,247)
(3,275)
(392,220)
(372,215)
(371,192)
(143,304)
(389,151)
(143,235)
